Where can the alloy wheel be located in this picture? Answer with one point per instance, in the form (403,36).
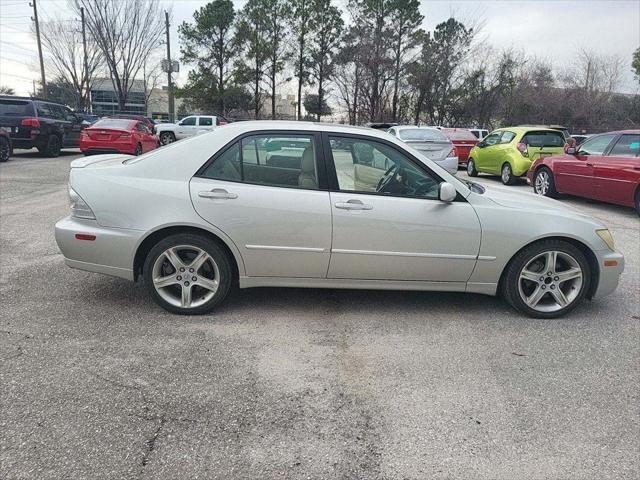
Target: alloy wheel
(185,276)
(470,167)
(506,173)
(541,184)
(550,281)
(166,138)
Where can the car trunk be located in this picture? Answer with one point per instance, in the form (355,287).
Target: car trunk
(463,147)
(105,134)
(543,144)
(435,151)
(12,112)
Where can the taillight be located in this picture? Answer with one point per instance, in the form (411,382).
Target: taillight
(30,122)
(84,134)
(522,148)
(453,153)
(124,135)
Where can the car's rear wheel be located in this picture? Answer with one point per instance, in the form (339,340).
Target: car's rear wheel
(167,137)
(638,201)
(5,149)
(52,148)
(547,279)
(506,174)
(543,183)
(471,168)
(188,274)
(138,150)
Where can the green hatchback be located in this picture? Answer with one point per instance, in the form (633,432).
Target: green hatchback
(509,152)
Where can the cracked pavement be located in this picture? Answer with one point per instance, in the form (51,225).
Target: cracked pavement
(96,381)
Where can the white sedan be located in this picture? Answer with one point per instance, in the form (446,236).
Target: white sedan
(292,204)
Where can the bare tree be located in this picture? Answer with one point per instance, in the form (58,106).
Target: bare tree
(126,33)
(62,40)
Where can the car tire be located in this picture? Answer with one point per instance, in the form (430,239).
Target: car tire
(52,148)
(167,275)
(5,149)
(138,150)
(471,168)
(547,279)
(544,184)
(167,137)
(637,202)
(506,174)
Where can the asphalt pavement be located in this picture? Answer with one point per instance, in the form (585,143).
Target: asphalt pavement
(97,382)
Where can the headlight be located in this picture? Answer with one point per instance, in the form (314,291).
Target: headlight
(606,237)
(79,207)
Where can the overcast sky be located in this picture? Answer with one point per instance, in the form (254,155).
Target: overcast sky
(549,29)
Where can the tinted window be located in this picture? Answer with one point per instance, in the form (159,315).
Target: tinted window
(142,127)
(119,123)
(205,121)
(596,145)
(626,146)
(16,108)
(188,121)
(371,167)
(421,134)
(45,110)
(280,161)
(544,139)
(507,137)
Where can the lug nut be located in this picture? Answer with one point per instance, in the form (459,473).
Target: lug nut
(556,278)
(186,284)
(194,278)
(191,270)
(179,277)
(542,279)
(553,287)
(543,287)
(182,269)
(549,273)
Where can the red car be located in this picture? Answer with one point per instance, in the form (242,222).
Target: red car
(605,167)
(117,135)
(463,141)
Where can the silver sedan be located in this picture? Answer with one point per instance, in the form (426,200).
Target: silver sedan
(292,204)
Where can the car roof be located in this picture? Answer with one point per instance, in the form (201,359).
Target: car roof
(525,129)
(413,127)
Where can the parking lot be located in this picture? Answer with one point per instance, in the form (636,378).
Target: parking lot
(96,381)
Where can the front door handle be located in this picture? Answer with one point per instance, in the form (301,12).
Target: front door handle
(353,205)
(218,193)
(589,164)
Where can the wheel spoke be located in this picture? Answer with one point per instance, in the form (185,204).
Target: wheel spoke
(207,283)
(529,275)
(550,261)
(162,282)
(186,296)
(199,260)
(559,297)
(173,258)
(569,274)
(533,299)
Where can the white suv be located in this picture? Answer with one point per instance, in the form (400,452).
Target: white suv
(187,127)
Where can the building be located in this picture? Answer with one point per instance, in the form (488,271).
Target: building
(104,100)
(285,107)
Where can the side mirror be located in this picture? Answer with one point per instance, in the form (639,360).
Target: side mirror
(447,192)
(481,145)
(570,150)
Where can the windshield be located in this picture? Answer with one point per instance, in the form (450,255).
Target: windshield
(118,123)
(16,108)
(422,135)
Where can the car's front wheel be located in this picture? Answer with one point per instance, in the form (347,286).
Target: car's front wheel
(5,149)
(471,168)
(506,175)
(138,150)
(167,137)
(547,279)
(52,148)
(637,201)
(543,183)
(188,274)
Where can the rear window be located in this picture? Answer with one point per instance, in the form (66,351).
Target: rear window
(119,123)
(544,139)
(422,134)
(17,108)
(459,134)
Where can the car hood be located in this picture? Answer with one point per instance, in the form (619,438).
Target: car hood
(100,160)
(508,197)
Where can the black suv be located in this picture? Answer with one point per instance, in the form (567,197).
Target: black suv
(32,122)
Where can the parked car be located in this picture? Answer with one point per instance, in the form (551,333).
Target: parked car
(479,133)
(605,167)
(6,149)
(579,139)
(149,122)
(509,152)
(36,123)
(463,141)
(187,127)
(384,126)
(431,142)
(118,135)
(225,215)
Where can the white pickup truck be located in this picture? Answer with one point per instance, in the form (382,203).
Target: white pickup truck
(188,126)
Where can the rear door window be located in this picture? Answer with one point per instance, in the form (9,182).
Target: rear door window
(16,108)
(596,145)
(205,121)
(544,139)
(627,146)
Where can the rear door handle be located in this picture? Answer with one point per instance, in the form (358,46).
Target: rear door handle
(353,205)
(218,193)
(589,164)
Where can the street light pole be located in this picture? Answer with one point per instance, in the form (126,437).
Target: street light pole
(169,70)
(85,80)
(35,19)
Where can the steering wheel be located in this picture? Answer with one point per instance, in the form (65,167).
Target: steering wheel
(387,178)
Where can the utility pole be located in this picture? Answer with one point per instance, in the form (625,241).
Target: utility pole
(35,19)
(169,69)
(85,80)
